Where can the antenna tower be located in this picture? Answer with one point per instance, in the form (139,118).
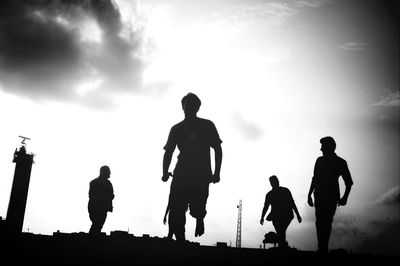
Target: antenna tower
(239,226)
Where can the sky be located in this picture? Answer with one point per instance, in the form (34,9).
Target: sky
(95,83)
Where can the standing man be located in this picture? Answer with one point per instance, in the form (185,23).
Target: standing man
(325,187)
(101,194)
(282,207)
(192,174)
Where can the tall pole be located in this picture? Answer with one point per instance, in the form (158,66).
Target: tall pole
(239,226)
(19,192)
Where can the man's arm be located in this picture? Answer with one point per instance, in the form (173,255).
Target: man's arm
(90,190)
(264,211)
(343,200)
(218,162)
(297,212)
(348,182)
(312,188)
(165,215)
(313,183)
(166,163)
(112,196)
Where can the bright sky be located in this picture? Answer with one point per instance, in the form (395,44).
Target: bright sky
(274,77)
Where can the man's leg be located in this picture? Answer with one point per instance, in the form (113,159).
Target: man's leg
(177,221)
(197,204)
(177,213)
(280,228)
(98,219)
(324,212)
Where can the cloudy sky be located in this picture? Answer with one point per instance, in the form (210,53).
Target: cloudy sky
(100,82)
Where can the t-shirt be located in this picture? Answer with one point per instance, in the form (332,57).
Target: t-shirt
(281,202)
(101,194)
(327,171)
(194,139)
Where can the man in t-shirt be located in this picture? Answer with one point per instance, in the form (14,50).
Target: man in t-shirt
(325,187)
(101,194)
(192,174)
(282,207)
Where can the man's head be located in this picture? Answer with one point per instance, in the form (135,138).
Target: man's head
(105,171)
(274,181)
(328,145)
(190,105)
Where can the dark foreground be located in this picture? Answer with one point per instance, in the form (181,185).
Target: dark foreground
(120,248)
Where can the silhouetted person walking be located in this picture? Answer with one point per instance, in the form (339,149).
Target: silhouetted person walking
(192,174)
(325,187)
(101,194)
(282,207)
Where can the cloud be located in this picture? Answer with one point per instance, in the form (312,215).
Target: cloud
(354,46)
(379,237)
(249,130)
(385,239)
(49,48)
(345,232)
(266,13)
(390,197)
(389,99)
(311,3)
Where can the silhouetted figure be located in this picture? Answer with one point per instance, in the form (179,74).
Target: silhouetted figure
(192,174)
(270,238)
(282,207)
(325,187)
(101,194)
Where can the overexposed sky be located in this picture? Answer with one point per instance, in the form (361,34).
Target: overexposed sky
(100,82)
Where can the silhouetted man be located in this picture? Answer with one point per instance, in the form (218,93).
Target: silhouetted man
(101,194)
(282,207)
(325,187)
(192,174)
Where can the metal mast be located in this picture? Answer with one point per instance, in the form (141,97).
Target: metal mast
(239,226)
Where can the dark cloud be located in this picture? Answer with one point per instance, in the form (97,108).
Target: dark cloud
(44,53)
(248,129)
(385,239)
(345,232)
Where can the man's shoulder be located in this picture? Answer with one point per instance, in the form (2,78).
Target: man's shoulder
(205,121)
(285,189)
(178,125)
(335,157)
(199,121)
(269,193)
(94,181)
(100,181)
(340,161)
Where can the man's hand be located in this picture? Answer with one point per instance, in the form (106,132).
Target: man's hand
(165,176)
(262,221)
(310,201)
(215,178)
(342,201)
